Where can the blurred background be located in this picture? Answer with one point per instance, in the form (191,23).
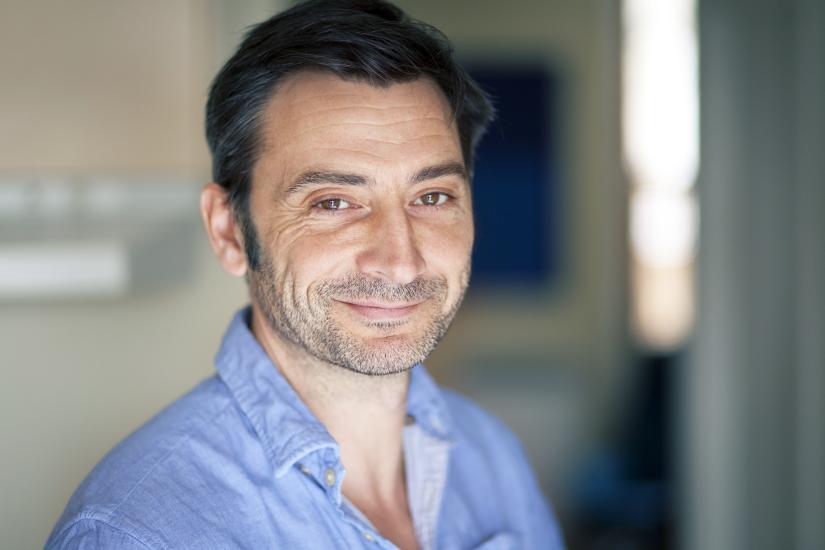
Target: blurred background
(648,304)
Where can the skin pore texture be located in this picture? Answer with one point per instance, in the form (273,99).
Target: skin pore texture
(361,203)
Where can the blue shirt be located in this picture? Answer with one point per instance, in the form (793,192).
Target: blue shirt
(241,462)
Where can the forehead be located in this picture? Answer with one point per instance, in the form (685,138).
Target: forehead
(318,118)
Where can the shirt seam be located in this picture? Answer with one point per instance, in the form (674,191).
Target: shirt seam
(86,517)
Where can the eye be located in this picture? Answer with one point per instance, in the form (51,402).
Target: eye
(332,204)
(433,198)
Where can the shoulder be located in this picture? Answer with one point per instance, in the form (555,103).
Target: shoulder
(147,472)
(93,532)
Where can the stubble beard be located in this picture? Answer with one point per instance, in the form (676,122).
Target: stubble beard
(309,322)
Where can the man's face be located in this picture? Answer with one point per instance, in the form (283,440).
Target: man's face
(363,212)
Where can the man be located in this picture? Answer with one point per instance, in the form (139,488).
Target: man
(342,136)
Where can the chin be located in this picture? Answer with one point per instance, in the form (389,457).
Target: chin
(384,355)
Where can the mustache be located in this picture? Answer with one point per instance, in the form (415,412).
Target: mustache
(362,287)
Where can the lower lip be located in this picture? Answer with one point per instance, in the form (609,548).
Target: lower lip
(376,313)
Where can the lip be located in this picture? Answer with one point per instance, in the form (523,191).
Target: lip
(376,311)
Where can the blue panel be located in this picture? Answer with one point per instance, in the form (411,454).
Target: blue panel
(514,190)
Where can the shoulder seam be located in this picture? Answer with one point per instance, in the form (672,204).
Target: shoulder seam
(95,519)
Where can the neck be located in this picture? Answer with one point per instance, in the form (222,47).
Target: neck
(364,414)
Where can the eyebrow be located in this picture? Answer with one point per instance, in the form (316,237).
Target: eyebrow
(308,179)
(314,177)
(439,171)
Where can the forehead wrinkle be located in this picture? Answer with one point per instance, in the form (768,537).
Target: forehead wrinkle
(357,123)
(442,130)
(410,99)
(299,103)
(303,109)
(315,87)
(386,140)
(314,107)
(381,141)
(360,106)
(373,133)
(355,153)
(380,124)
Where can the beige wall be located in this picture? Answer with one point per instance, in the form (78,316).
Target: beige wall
(77,377)
(118,88)
(95,85)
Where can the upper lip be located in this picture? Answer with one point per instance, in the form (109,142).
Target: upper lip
(381,305)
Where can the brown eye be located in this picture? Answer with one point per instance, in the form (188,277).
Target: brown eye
(332,204)
(432,199)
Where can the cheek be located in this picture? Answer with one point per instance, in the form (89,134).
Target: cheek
(304,256)
(447,249)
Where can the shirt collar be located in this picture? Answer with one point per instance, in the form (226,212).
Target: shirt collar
(286,427)
(425,403)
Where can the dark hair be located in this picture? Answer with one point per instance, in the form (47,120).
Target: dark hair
(368,40)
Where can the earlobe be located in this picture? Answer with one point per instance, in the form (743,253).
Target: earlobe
(224,236)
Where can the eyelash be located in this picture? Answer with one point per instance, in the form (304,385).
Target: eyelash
(443,200)
(317,205)
(439,204)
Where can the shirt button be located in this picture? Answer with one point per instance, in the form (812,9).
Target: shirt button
(305,470)
(368,536)
(329,477)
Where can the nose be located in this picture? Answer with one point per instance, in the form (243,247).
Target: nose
(392,251)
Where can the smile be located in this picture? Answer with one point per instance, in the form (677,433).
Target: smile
(376,311)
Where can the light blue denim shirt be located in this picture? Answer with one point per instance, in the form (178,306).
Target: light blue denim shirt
(241,462)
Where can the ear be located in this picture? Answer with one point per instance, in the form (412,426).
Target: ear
(224,234)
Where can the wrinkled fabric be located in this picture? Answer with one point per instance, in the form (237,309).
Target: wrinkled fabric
(241,462)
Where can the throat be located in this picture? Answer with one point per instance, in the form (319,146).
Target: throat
(386,508)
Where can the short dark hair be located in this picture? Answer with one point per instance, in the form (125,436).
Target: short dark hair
(364,40)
